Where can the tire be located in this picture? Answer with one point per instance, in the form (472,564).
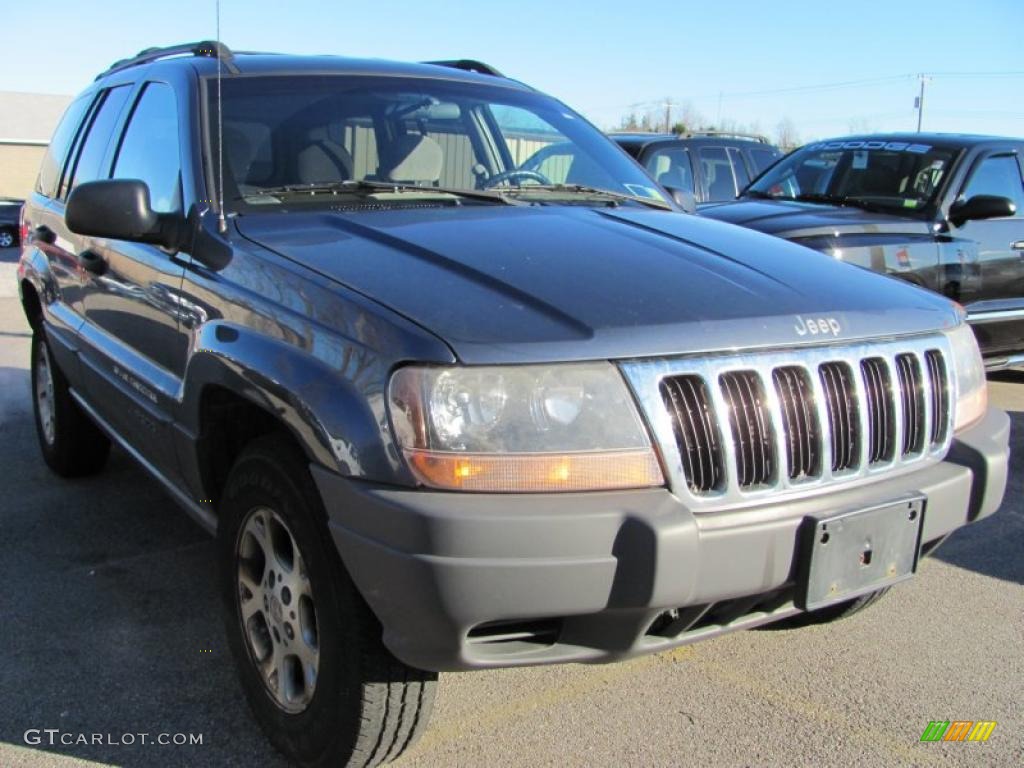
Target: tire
(830,613)
(7,237)
(72,445)
(362,706)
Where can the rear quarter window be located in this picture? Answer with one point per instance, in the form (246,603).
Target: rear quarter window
(63,136)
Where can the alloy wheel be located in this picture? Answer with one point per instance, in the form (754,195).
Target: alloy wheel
(276,609)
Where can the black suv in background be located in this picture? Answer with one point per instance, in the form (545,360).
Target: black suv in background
(942,211)
(712,166)
(10,210)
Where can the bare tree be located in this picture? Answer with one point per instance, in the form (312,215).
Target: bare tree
(786,135)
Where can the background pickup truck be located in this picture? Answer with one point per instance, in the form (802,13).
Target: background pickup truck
(945,212)
(443,412)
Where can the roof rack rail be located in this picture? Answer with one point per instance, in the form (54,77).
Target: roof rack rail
(206,48)
(468,65)
(732,134)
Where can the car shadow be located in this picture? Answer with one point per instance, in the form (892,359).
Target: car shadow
(992,546)
(110,622)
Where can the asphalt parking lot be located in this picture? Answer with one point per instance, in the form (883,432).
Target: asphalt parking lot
(109,624)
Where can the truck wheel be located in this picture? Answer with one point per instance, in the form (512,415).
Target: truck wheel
(72,445)
(831,612)
(308,649)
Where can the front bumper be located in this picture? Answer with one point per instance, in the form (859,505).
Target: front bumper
(470,581)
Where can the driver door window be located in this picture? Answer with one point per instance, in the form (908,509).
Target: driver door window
(672,168)
(997,175)
(149,150)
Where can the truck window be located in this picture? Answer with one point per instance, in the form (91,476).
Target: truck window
(149,148)
(997,175)
(671,167)
(718,181)
(88,164)
(739,169)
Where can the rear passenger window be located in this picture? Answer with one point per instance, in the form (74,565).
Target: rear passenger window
(739,168)
(89,165)
(718,181)
(49,171)
(997,175)
(149,150)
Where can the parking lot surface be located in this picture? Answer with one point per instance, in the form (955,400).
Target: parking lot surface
(109,624)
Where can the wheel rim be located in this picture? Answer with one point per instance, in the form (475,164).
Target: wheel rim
(276,610)
(44,394)
(6,239)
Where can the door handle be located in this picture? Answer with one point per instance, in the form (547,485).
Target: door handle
(43,234)
(92,262)
(1018,246)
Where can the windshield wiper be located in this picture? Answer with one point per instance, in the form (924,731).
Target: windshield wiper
(843,200)
(582,189)
(363,187)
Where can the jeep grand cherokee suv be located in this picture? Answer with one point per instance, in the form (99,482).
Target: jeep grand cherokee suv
(443,413)
(943,211)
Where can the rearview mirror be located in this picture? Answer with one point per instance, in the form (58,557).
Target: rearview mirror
(980,207)
(683,198)
(119,209)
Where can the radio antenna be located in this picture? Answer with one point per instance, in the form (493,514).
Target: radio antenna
(222,225)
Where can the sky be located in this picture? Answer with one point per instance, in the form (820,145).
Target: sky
(829,68)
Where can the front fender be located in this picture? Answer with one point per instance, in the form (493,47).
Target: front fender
(336,411)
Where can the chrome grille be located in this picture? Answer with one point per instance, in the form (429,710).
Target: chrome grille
(908,369)
(799,421)
(878,395)
(732,427)
(938,385)
(750,423)
(696,431)
(841,407)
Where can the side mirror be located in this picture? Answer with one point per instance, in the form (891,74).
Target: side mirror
(980,207)
(119,209)
(683,198)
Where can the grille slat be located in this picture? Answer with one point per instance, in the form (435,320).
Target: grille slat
(799,422)
(912,395)
(881,421)
(751,431)
(939,386)
(696,431)
(843,422)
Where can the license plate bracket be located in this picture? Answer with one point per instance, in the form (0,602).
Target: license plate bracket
(854,552)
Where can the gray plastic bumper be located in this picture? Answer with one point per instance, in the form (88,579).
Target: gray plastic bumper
(582,577)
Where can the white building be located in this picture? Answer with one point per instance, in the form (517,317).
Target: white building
(26,122)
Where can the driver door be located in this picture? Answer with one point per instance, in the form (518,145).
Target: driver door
(1000,254)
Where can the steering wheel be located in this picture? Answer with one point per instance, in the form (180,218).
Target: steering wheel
(515,173)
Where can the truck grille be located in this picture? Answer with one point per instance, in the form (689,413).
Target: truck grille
(743,424)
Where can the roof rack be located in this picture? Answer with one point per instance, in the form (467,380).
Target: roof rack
(730,134)
(468,65)
(210,49)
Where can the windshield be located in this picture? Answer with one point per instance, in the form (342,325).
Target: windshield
(878,174)
(308,139)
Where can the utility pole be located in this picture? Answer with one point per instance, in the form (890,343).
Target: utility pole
(919,102)
(668,115)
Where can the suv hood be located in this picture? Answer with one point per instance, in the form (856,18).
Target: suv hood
(548,283)
(794,219)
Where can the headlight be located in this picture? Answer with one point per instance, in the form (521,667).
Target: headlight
(530,428)
(969,375)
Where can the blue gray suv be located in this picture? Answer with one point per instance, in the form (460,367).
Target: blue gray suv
(446,408)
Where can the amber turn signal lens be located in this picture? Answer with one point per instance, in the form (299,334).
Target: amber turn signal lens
(536,473)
